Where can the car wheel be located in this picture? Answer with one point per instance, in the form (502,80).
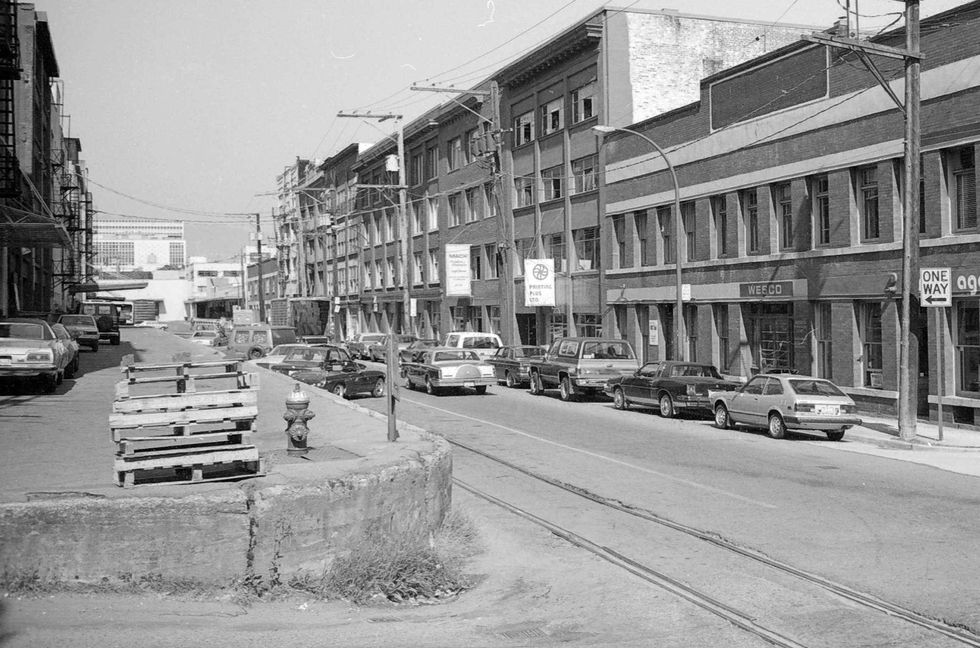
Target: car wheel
(429,387)
(509,380)
(339,390)
(619,399)
(49,383)
(835,435)
(255,353)
(481,389)
(379,388)
(723,419)
(666,406)
(777,428)
(70,369)
(565,389)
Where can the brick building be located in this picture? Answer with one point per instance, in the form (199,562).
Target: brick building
(790,170)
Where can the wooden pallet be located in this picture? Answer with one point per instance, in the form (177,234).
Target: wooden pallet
(186,384)
(180,422)
(186,465)
(178,402)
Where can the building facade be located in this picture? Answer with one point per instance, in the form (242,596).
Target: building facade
(790,170)
(138,244)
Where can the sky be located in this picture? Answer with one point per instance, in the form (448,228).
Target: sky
(189,109)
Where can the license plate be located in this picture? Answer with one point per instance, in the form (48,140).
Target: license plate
(828,410)
(469,384)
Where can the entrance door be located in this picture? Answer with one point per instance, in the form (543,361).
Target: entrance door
(772,336)
(527,328)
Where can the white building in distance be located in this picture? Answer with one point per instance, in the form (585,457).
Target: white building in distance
(138,244)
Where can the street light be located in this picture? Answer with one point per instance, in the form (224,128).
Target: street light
(680,352)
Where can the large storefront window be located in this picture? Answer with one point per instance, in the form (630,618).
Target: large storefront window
(587,325)
(871,342)
(968,347)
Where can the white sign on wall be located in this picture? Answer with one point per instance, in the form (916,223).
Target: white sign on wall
(935,287)
(457,270)
(539,282)
(654,330)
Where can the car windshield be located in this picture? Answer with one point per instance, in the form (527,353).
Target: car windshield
(206,334)
(74,320)
(21,330)
(483,342)
(527,351)
(449,356)
(607,351)
(283,349)
(698,371)
(811,387)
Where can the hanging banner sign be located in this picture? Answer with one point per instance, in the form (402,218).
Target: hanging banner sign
(539,282)
(457,270)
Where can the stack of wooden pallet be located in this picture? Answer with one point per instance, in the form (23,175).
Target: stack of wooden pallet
(184,422)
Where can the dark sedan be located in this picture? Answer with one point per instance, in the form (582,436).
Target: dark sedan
(331,367)
(510,364)
(672,386)
(406,354)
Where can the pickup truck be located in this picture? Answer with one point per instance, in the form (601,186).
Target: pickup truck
(581,365)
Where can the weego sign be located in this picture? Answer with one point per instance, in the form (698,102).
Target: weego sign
(935,287)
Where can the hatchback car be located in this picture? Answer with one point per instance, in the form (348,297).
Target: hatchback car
(781,402)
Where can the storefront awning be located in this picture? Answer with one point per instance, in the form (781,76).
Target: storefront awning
(19,228)
(106,284)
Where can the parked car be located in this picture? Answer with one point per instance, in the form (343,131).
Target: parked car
(358,345)
(209,338)
(30,349)
(441,368)
(483,344)
(581,365)
(331,368)
(316,339)
(781,402)
(378,351)
(276,355)
(83,328)
(510,363)
(256,340)
(107,317)
(670,385)
(71,366)
(406,354)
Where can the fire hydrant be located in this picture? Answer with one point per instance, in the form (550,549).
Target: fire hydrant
(296,416)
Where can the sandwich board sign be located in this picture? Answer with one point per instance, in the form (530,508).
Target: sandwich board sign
(935,287)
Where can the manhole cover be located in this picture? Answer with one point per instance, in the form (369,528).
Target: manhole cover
(322,453)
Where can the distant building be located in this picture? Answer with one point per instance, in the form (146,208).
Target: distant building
(138,244)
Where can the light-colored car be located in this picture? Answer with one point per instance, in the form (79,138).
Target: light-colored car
(406,354)
(781,402)
(208,338)
(510,363)
(30,349)
(276,355)
(83,328)
(358,345)
(442,368)
(483,344)
(71,366)
(378,351)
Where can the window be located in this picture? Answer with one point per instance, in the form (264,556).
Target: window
(721,330)
(454,153)
(553,179)
(588,325)
(389,226)
(418,268)
(965,182)
(493,260)
(584,174)
(453,210)
(690,229)
(469,204)
(666,232)
(691,329)
(822,334)
(432,213)
(418,168)
(207,273)
(619,234)
(782,196)
(469,146)
(177,254)
(476,265)
(750,215)
(415,209)
(967,345)
(555,244)
(523,191)
(821,209)
(642,238)
(434,266)
(871,340)
(491,201)
(551,116)
(524,249)
(524,128)
(719,210)
(431,162)
(116,253)
(868,201)
(587,247)
(583,103)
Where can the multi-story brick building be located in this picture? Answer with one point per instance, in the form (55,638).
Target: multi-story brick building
(790,170)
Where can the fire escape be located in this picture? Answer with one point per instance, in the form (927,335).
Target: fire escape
(9,72)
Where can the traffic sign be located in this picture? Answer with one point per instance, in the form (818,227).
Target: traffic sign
(935,287)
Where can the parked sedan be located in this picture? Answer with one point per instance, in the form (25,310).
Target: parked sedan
(406,354)
(330,367)
(278,353)
(510,364)
(208,338)
(781,402)
(29,348)
(83,328)
(358,345)
(378,350)
(71,366)
(670,385)
(442,368)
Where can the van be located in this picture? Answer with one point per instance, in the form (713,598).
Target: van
(256,340)
(484,344)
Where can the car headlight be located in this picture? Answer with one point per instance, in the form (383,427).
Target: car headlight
(39,356)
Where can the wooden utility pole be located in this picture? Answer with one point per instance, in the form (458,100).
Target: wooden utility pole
(258,244)
(907,377)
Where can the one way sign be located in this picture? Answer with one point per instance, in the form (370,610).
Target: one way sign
(935,287)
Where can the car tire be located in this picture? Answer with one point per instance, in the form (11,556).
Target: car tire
(339,390)
(509,380)
(723,420)
(835,435)
(49,383)
(379,388)
(565,391)
(255,353)
(667,406)
(430,389)
(70,369)
(481,389)
(619,399)
(536,387)
(777,427)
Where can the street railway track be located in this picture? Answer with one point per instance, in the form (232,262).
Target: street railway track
(702,600)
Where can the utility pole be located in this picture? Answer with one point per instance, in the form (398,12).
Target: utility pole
(391,364)
(907,378)
(258,243)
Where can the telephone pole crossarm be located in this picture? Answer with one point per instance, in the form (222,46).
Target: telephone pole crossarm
(475,93)
(856,45)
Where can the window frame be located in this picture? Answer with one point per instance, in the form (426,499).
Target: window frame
(719,213)
(552,116)
(580,101)
(553,183)
(585,174)
(820,187)
(524,128)
(749,199)
(868,201)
